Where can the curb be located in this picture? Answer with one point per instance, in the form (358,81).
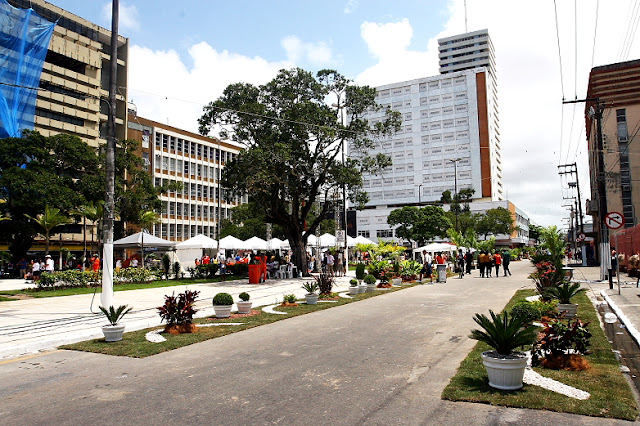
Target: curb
(622,317)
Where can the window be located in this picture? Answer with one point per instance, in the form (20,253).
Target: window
(621,118)
(172,143)
(179,146)
(193,148)
(165,163)
(172,164)
(365,234)
(407,116)
(199,150)
(384,233)
(164,141)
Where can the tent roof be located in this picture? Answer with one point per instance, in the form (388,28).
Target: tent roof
(136,240)
(231,242)
(362,240)
(436,247)
(199,241)
(255,243)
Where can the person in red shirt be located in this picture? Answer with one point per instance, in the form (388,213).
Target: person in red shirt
(498,261)
(439,259)
(95,263)
(206,259)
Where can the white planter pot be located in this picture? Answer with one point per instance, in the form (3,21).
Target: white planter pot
(371,287)
(311,298)
(570,309)
(222,311)
(362,288)
(396,281)
(505,373)
(113,333)
(244,307)
(354,290)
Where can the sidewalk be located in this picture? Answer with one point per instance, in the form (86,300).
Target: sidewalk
(36,325)
(623,299)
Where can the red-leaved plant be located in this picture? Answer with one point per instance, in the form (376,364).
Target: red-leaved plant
(179,310)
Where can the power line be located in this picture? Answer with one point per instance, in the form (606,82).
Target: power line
(595,31)
(555,8)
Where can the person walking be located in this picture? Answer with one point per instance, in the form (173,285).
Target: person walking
(427,268)
(506,259)
(48,266)
(481,263)
(35,270)
(468,261)
(460,261)
(497,259)
(330,262)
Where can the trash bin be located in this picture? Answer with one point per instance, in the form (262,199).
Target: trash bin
(442,273)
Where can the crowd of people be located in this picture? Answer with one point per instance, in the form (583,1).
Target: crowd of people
(463,263)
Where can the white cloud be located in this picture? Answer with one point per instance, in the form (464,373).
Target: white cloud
(166,90)
(314,53)
(128,16)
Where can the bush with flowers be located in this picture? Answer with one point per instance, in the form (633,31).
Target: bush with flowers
(546,276)
(384,279)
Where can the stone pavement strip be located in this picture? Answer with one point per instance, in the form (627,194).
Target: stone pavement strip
(383,360)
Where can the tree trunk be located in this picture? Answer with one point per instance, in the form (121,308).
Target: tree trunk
(46,239)
(299,252)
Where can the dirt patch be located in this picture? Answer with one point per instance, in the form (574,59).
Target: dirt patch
(235,315)
(18,296)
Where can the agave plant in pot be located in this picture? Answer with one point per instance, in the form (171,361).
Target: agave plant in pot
(505,366)
(113,331)
(222,304)
(564,292)
(353,287)
(311,288)
(244,305)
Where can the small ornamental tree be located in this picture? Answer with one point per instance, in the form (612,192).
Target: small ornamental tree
(294,133)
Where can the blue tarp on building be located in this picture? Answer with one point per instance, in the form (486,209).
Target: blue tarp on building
(24,40)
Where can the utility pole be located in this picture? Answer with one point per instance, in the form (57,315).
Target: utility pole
(572,169)
(106,298)
(605,251)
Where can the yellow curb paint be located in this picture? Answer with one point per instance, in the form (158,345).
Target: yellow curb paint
(9,361)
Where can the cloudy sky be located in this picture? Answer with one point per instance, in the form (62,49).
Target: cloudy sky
(183,54)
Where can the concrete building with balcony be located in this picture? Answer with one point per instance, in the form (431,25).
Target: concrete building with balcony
(194,161)
(617,86)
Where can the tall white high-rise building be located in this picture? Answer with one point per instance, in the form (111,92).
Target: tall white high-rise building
(450,136)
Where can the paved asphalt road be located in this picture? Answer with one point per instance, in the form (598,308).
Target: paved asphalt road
(384,360)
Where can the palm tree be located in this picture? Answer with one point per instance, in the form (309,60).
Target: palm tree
(147,219)
(48,220)
(93,212)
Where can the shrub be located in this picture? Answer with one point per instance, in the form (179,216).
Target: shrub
(360,273)
(207,271)
(325,283)
(133,275)
(176,270)
(353,282)
(558,339)
(369,279)
(289,298)
(310,287)
(244,296)
(239,269)
(502,332)
(47,280)
(179,310)
(166,264)
(565,291)
(222,299)
(545,277)
(377,266)
(526,311)
(410,268)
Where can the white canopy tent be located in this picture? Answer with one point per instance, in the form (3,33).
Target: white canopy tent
(254,243)
(362,240)
(200,241)
(436,247)
(274,244)
(137,240)
(327,240)
(231,242)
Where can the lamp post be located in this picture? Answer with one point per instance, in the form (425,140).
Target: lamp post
(343,148)
(455,185)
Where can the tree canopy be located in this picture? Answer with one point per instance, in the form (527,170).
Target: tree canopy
(419,224)
(293,134)
(494,221)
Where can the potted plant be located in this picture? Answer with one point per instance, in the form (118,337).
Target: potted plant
(311,288)
(396,279)
(360,272)
(353,287)
(178,312)
(113,331)
(564,292)
(222,304)
(370,281)
(505,366)
(244,305)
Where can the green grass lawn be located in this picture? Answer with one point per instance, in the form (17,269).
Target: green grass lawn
(135,345)
(611,395)
(36,293)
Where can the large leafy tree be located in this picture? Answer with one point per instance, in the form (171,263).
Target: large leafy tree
(293,135)
(419,224)
(495,221)
(50,219)
(59,171)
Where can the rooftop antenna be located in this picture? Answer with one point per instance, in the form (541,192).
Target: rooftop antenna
(466,30)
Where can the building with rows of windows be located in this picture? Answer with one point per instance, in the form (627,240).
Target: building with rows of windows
(195,162)
(449,139)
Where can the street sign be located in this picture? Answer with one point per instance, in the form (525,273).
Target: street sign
(340,236)
(614,220)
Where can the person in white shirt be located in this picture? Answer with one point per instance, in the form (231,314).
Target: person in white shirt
(35,270)
(134,263)
(49,263)
(330,261)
